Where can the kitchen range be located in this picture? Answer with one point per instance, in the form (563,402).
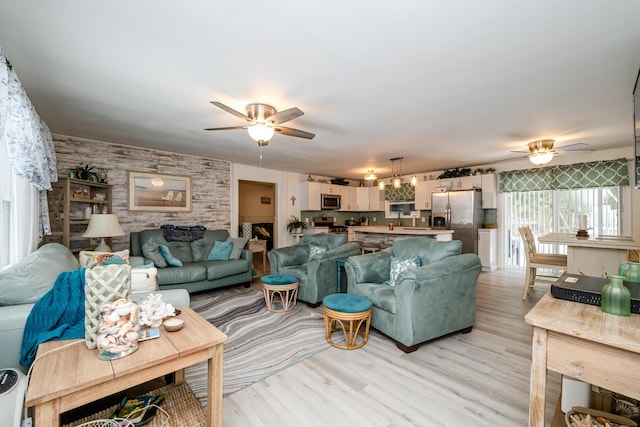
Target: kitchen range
(330,221)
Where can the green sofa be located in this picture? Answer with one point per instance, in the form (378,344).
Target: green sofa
(435,299)
(317,273)
(196,274)
(23,284)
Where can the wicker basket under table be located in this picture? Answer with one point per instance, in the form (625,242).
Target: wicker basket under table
(179,402)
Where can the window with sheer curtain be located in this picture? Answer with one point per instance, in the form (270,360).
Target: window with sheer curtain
(27,169)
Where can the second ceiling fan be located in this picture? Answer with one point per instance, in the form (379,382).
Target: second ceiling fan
(264,121)
(542,151)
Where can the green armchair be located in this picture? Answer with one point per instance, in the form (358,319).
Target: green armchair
(427,302)
(313,262)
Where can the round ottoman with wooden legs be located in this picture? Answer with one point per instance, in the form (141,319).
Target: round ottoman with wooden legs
(280,292)
(349,314)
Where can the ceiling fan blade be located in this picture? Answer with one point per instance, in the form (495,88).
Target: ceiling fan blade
(575,152)
(285,116)
(228,128)
(570,147)
(294,132)
(519,151)
(231,110)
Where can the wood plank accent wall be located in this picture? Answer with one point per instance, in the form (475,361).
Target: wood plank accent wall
(211,203)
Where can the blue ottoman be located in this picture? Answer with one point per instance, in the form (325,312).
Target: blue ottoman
(280,292)
(350,314)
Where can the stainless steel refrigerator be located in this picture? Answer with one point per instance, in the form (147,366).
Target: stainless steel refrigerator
(460,211)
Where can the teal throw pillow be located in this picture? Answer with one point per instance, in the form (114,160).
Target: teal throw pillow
(238,245)
(116,259)
(171,260)
(316,249)
(220,251)
(398,265)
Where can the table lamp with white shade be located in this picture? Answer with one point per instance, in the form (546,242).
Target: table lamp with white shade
(102,226)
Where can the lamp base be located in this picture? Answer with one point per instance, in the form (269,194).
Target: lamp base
(102,247)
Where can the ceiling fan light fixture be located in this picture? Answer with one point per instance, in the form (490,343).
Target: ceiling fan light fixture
(156,181)
(261,132)
(541,157)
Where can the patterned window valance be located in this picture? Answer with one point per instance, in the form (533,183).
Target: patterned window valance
(604,173)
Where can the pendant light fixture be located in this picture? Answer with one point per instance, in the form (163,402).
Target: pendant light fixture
(414,181)
(395,178)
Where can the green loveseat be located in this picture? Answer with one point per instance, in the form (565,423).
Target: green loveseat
(196,274)
(427,302)
(317,273)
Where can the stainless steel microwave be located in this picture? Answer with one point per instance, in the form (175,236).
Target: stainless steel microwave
(330,201)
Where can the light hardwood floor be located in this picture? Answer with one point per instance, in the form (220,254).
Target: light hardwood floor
(476,379)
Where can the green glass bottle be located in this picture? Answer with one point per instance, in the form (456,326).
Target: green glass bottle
(633,272)
(616,298)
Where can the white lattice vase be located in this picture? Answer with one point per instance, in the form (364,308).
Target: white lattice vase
(103,285)
(247,229)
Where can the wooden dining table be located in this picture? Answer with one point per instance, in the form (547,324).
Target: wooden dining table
(595,256)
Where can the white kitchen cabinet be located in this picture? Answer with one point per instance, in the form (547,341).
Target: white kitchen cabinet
(488,248)
(362,199)
(349,198)
(314,189)
(423,194)
(489,191)
(376,199)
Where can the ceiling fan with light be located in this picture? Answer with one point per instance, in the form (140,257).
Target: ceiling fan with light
(264,121)
(542,151)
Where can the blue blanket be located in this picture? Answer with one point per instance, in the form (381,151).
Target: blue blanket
(59,315)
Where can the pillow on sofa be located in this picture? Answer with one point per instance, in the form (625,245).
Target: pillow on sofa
(220,251)
(26,281)
(398,265)
(89,259)
(152,251)
(238,245)
(171,260)
(316,249)
(144,278)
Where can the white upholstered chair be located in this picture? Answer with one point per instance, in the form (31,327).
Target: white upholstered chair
(537,260)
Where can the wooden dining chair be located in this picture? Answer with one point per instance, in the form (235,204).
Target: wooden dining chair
(536,260)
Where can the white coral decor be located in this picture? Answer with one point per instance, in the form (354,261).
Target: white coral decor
(153,311)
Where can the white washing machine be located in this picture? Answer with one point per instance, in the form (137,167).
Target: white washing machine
(12,387)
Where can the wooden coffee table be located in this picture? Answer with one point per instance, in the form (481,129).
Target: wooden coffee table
(74,376)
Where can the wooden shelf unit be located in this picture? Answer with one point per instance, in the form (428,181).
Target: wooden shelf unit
(66,212)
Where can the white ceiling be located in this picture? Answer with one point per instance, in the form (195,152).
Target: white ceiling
(443,83)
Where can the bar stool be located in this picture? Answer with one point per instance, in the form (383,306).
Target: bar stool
(369,247)
(285,286)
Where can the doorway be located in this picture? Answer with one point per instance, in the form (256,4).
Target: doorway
(257,206)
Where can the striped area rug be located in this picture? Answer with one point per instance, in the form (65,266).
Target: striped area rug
(260,343)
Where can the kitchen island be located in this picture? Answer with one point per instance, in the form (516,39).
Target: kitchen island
(382,234)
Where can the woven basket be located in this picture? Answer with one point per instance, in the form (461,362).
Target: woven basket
(179,402)
(103,285)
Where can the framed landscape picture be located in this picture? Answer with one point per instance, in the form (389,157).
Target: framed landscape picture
(153,192)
